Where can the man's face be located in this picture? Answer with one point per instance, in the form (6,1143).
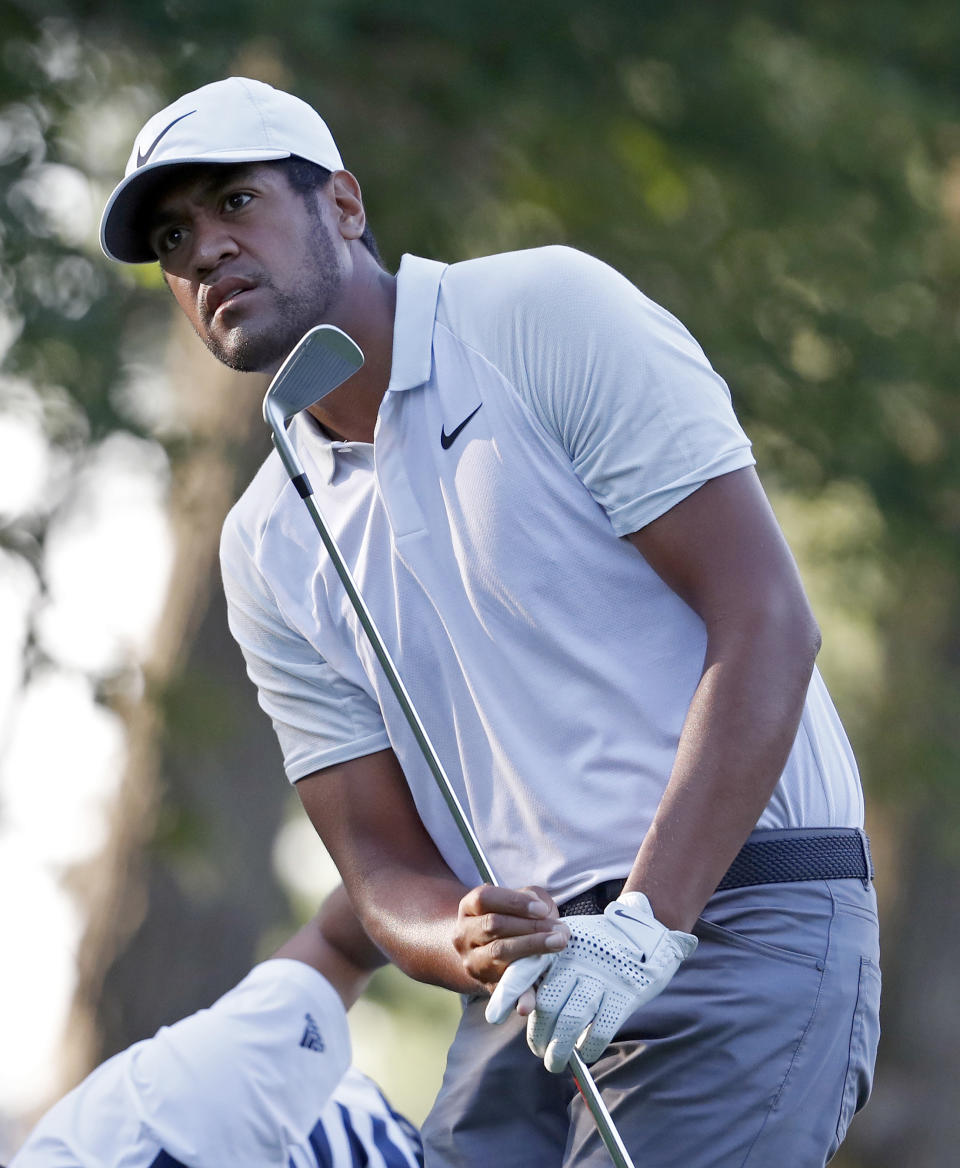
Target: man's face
(251,262)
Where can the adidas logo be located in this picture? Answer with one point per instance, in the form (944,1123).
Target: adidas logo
(311,1039)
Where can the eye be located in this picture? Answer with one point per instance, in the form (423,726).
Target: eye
(167,240)
(236,200)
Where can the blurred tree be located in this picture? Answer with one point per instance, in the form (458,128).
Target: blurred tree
(181,899)
(785,178)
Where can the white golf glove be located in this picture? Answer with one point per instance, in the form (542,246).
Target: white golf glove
(612,965)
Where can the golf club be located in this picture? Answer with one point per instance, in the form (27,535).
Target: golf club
(323,359)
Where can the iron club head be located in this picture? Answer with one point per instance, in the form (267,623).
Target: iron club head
(323,359)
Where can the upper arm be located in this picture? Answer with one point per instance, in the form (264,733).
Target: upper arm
(722,551)
(319,715)
(364,813)
(636,405)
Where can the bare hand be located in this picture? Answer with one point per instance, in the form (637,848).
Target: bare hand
(495,926)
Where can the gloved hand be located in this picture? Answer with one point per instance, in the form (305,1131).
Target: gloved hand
(613,964)
(518,977)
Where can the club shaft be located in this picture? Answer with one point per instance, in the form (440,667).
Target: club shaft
(400,692)
(584,1080)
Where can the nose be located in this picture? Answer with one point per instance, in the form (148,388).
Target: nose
(212,244)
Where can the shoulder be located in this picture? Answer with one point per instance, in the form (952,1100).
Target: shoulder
(540,300)
(522,308)
(281,1008)
(249,517)
(513,277)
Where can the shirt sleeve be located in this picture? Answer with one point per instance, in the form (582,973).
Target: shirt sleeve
(241,1081)
(238,1084)
(320,717)
(617,381)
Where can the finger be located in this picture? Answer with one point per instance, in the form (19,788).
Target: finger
(526,1003)
(552,995)
(496,941)
(516,980)
(495,926)
(517,902)
(473,932)
(504,950)
(610,1015)
(575,1017)
(541,894)
(487,962)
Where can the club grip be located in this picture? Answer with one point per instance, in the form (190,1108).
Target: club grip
(302,483)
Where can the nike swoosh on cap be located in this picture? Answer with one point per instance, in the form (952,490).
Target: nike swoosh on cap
(142,158)
(447,440)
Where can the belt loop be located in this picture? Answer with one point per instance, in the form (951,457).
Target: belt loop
(867,857)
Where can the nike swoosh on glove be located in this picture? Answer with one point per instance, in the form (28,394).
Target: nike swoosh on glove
(612,965)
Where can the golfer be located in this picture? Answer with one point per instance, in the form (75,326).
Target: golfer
(261,1078)
(543,492)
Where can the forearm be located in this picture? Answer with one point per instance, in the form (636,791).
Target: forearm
(412,917)
(723,553)
(736,738)
(400,887)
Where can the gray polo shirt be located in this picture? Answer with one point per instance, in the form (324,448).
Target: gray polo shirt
(539,408)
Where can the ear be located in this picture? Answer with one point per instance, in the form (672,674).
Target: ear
(349,201)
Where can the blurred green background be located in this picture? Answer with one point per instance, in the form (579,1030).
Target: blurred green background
(785,178)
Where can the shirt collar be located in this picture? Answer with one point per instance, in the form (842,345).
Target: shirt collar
(418,287)
(311,443)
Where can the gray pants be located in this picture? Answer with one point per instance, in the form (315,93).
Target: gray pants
(758,1053)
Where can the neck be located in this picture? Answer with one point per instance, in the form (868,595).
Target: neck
(367,315)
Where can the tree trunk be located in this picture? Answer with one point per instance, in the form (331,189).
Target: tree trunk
(183,893)
(913,1118)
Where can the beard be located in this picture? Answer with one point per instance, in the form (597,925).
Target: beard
(254,348)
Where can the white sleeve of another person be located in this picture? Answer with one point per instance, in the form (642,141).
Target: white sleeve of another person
(241,1083)
(252,1073)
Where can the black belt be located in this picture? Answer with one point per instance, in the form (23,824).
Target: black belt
(785,856)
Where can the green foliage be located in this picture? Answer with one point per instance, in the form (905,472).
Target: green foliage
(198,712)
(778,175)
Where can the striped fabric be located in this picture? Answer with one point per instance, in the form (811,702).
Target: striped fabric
(358,1128)
(261,1079)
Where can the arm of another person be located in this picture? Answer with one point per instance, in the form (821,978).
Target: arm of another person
(335,944)
(405,895)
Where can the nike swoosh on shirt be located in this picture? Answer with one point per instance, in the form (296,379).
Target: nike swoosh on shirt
(142,158)
(447,440)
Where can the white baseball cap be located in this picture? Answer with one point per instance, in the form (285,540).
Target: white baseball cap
(236,120)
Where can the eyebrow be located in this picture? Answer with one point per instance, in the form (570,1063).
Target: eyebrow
(209,185)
